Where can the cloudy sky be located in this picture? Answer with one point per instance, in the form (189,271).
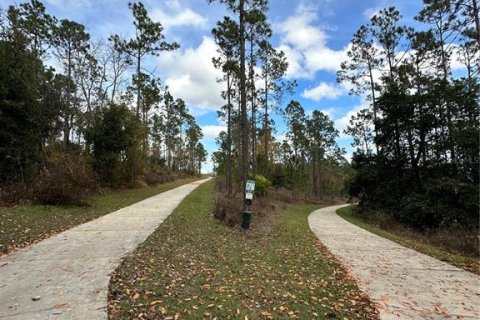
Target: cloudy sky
(314,35)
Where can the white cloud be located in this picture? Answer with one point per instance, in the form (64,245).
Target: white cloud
(323,90)
(190,75)
(323,58)
(281,137)
(207,166)
(342,122)
(305,45)
(178,17)
(298,30)
(456,60)
(210,132)
(70,3)
(330,112)
(370,12)
(349,155)
(294,58)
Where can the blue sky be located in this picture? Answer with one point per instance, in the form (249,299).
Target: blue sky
(313,34)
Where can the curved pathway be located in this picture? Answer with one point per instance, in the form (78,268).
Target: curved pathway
(404,283)
(67,275)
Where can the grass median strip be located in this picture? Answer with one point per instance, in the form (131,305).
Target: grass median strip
(192,267)
(414,242)
(25,224)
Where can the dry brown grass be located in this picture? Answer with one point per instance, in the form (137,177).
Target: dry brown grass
(154,178)
(457,240)
(12,194)
(228,208)
(457,246)
(70,180)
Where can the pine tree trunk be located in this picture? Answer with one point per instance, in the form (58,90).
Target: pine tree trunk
(138,82)
(265,123)
(66,124)
(252,97)
(229,137)
(243,99)
(374,104)
(477,20)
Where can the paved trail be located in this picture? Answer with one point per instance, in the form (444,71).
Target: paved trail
(70,272)
(404,283)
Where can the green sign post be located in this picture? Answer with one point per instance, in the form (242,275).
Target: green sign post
(247,215)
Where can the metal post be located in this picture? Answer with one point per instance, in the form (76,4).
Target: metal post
(247,215)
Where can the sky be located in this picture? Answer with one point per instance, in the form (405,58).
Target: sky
(314,35)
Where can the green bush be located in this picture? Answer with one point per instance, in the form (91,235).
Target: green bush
(262,185)
(456,201)
(416,211)
(115,138)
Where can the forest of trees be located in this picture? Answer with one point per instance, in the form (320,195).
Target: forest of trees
(77,112)
(88,105)
(309,159)
(417,155)
(417,144)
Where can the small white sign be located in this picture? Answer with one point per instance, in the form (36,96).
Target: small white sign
(249,189)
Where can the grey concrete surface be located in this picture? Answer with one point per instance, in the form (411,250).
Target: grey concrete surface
(69,272)
(404,283)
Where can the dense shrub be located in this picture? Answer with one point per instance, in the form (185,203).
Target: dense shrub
(444,202)
(262,185)
(279,177)
(431,199)
(154,178)
(12,194)
(454,200)
(115,138)
(415,210)
(228,209)
(68,181)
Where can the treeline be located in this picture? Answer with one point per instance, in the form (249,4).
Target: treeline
(308,160)
(417,155)
(100,106)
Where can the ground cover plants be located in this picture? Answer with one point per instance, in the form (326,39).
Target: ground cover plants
(195,267)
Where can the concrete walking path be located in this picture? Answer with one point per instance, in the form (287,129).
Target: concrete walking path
(68,274)
(404,283)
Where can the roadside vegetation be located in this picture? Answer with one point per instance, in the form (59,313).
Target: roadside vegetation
(307,163)
(73,139)
(102,119)
(194,267)
(454,246)
(22,225)
(416,138)
(417,144)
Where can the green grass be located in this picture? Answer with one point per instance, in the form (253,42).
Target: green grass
(414,242)
(25,224)
(192,267)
